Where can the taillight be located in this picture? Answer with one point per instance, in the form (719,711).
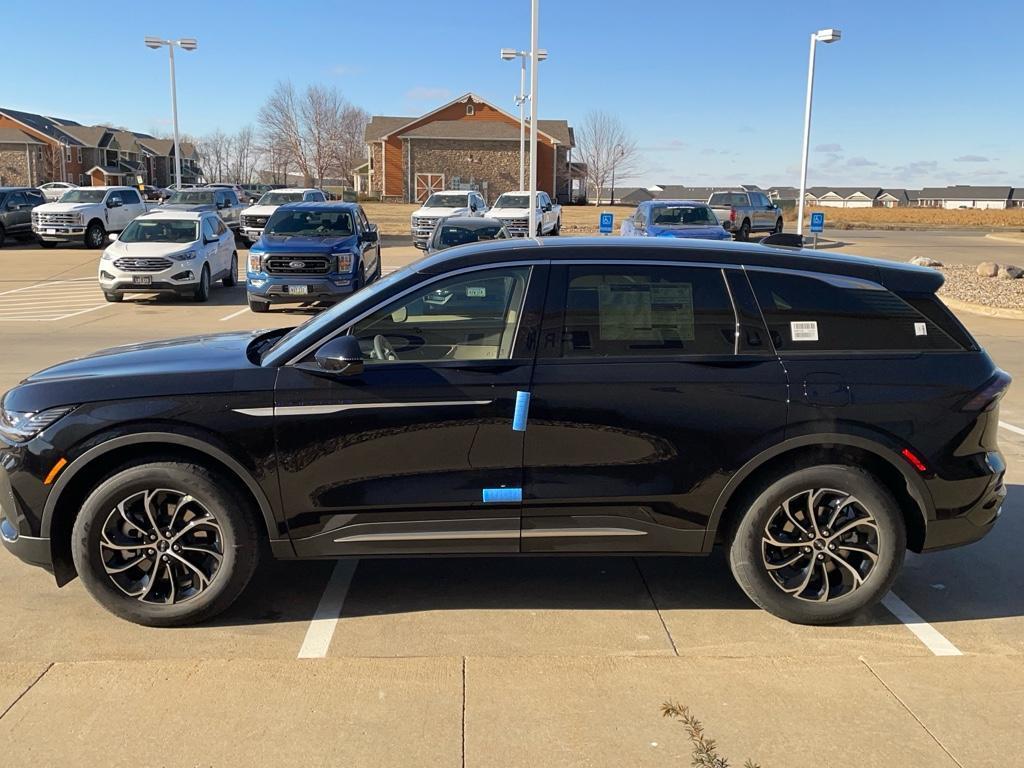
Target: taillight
(732,214)
(985,399)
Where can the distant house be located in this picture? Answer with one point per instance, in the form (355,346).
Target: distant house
(467,143)
(1017,198)
(963,196)
(843,197)
(783,195)
(892,198)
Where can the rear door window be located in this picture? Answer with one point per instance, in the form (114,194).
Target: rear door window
(831,313)
(624,311)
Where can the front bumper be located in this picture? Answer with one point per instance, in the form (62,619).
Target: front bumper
(252,233)
(282,290)
(16,530)
(181,277)
(58,233)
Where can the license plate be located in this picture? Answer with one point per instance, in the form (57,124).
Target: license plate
(142,279)
(298,290)
(51,231)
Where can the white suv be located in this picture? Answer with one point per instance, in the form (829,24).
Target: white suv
(255,217)
(175,251)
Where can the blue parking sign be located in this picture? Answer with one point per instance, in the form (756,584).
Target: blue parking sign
(817,222)
(607,221)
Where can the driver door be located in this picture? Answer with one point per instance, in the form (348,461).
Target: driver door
(417,453)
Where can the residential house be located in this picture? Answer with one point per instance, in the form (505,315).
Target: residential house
(158,161)
(892,198)
(963,196)
(467,143)
(1017,198)
(21,158)
(61,154)
(783,195)
(843,197)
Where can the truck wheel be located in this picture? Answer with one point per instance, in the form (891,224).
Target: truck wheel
(256,305)
(743,233)
(202,291)
(47,244)
(818,545)
(94,235)
(557,229)
(232,276)
(778,226)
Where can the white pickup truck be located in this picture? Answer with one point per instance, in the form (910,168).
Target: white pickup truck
(87,214)
(513,210)
(440,205)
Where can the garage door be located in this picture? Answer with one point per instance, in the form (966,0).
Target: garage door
(427,184)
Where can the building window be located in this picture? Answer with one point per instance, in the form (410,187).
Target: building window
(67,153)
(470,109)
(79,155)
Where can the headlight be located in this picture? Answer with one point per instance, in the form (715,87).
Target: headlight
(22,427)
(344,261)
(256,261)
(183,256)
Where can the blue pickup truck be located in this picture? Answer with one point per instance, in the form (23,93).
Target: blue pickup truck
(674,218)
(312,252)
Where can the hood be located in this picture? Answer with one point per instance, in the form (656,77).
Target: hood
(700,231)
(509,213)
(305,244)
(442,211)
(119,250)
(195,207)
(63,207)
(259,210)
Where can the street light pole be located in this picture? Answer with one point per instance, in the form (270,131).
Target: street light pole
(507,54)
(534,59)
(188,44)
(825,36)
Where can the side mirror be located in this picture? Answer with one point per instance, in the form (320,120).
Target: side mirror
(341,355)
(207,239)
(370,236)
(112,237)
(421,245)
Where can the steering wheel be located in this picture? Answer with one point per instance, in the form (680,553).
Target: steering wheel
(382,348)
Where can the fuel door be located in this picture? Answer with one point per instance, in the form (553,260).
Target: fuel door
(828,389)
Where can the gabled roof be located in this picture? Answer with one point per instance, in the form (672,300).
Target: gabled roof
(87,135)
(109,170)
(1018,194)
(381,125)
(898,193)
(966,192)
(160,147)
(682,192)
(44,125)
(464,129)
(14,136)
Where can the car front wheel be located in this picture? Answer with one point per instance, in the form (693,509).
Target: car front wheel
(232,276)
(202,290)
(819,545)
(165,543)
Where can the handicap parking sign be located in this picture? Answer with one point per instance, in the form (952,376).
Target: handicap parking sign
(607,220)
(817,222)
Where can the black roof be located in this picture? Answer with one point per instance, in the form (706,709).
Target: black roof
(18,189)
(894,275)
(42,124)
(472,222)
(330,205)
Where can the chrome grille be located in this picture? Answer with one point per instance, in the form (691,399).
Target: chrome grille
(286,264)
(422,226)
(63,219)
(517,227)
(139,264)
(254,221)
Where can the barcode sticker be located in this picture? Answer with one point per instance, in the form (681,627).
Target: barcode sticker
(804,331)
(920,329)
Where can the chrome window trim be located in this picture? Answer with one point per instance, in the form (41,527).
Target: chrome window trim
(327,409)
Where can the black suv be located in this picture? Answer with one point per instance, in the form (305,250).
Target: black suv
(814,415)
(16,204)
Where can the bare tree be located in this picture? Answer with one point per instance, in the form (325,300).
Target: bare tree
(243,155)
(607,149)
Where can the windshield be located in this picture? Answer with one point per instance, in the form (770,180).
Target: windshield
(161,231)
(321,223)
(446,201)
(452,235)
(679,215)
(280,198)
(728,198)
(304,335)
(83,196)
(192,197)
(513,201)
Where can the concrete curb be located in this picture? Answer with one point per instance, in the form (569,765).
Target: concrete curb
(1008,237)
(980,309)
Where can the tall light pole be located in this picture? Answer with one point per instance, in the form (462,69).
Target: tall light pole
(188,44)
(534,59)
(507,54)
(824,36)
(617,152)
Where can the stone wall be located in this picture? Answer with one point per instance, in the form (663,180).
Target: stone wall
(15,168)
(491,166)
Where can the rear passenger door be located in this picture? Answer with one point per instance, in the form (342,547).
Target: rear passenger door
(654,383)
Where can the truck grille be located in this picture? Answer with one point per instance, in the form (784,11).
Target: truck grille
(138,264)
(288,264)
(516,227)
(63,219)
(254,221)
(422,226)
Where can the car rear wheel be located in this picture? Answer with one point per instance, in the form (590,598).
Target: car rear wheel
(557,228)
(743,233)
(95,235)
(259,306)
(165,543)
(232,276)
(202,291)
(819,545)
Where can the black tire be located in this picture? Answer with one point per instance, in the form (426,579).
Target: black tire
(557,230)
(231,278)
(259,306)
(113,296)
(232,531)
(540,229)
(95,235)
(3,236)
(749,551)
(378,269)
(743,233)
(202,291)
(778,226)
(47,244)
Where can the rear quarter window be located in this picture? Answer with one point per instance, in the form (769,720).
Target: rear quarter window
(838,314)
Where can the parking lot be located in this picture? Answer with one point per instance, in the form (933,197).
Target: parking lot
(452,662)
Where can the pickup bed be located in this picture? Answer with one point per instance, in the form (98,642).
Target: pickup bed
(742,212)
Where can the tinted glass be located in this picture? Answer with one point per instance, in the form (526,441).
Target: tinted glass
(160,231)
(728,198)
(447,201)
(509,200)
(209,228)
(130,197)
(643,311)
(192,197)
(681,215)
(280,198)
(839,314)
(450,235)
(319,223)
(466,317)
(84,196)
(17,198)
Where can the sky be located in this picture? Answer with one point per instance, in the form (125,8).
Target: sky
(917,92)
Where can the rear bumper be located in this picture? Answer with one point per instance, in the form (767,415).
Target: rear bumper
(977,517)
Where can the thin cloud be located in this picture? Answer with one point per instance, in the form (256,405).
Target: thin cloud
(970,159)
(860,162)
(831,148)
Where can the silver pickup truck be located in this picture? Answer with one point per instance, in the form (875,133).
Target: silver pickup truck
(742,212)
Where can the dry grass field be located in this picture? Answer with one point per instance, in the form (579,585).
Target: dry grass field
(393,218)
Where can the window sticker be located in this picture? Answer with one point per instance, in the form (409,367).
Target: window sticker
(920,329)
(644,312)
(804,331)
(476,292)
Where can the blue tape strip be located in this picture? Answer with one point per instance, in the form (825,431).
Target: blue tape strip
(502,495)
(522,411)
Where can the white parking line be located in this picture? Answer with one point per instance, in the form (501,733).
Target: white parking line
(243,310)
(934,640)
(1011,428)
(321,628)
(50,301)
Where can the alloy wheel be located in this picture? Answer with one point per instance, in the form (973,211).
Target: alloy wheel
(820,544)
(161,546)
